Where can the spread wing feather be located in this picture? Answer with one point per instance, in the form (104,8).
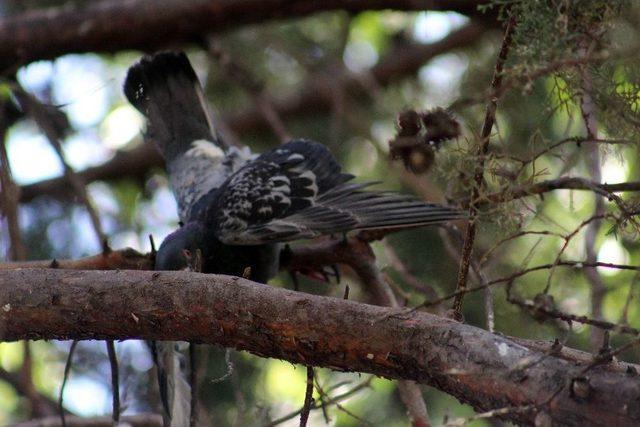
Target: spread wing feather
(297,191)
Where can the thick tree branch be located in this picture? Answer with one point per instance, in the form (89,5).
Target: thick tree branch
(482,369)
(114,25)
(315,97)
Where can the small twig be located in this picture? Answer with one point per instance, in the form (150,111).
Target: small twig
(485,256)
(316,404)
(41,114)
(67,370)
(193,383)
(241,403)
(322,392)
(567,239)
(598,289)
(346,292)
(308,398)
(624,318)
(549,69)
(452,233)
(539,309)
(482,151)
(9,197)
(229,363)
(405,273)
(574,264)
(563,183)
(491,414)
(115,383)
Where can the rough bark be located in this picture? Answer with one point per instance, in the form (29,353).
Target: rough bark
(113,25)
(485,370)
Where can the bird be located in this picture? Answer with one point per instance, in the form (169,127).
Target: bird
(237,208)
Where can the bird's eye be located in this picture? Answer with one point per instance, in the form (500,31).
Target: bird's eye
(186,253)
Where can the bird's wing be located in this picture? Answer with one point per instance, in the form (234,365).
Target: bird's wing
(297,191)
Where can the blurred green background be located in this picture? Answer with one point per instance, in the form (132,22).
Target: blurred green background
(356,123)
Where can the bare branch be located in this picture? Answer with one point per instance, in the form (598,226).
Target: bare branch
(41,114)
(115,382)
(10,193)
(562,183)
(308,398)
(482,150)
(308,329)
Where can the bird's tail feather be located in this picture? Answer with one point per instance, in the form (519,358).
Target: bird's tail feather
(165,88)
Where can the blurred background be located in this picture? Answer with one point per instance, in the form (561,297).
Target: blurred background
(341,79)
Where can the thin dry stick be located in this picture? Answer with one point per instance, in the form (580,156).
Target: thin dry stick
(325,393)
(574,264)
(316,404)
(567,239)
(41,114)
(67,370)
(598,289)
(308,398)
(485,257)
(193,357)
(483,149)
(624,318)
(506,195)
(9,197)
(230,368)
(452,233)
(193,383)
(115,384)
(398,265)
(241,403)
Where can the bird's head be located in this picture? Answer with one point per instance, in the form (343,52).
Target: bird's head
(182,248)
